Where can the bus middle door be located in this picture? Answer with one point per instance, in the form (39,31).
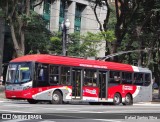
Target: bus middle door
(76,83)
(103,85)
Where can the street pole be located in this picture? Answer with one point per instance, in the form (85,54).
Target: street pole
(2,26)
(64,30)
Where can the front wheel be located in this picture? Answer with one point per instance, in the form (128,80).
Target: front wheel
(117,99)
(56,98)
(128,100)
(32,101)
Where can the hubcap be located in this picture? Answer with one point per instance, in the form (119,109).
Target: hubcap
(55,97)
(116,99)
(127,99)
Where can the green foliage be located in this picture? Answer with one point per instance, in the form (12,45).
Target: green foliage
(74,44)
(79,45)
(109,35)
(90,44)
(56,43)
(37,36)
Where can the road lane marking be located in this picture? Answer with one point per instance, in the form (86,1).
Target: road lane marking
(11,111)
(12,120)
(147,104)
(47,121)
(107,120)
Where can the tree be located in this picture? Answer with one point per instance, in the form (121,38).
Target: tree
(56,43)
(37,35)
(89,44)
(17,15)
(103,27)
(79,45)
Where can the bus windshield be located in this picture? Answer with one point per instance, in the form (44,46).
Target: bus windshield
(19,72)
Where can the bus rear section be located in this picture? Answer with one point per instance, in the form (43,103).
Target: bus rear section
(130,87)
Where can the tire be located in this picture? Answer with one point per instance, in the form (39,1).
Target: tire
(117,99)
(32,101)
(128,100)
(56,98)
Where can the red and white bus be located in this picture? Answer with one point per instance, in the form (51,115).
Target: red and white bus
(59,79)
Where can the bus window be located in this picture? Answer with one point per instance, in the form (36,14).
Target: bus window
(147,80)
(126,78)
(65,75)
(90,77)
(114,77)
(54,75)
(42,75)
(138,79)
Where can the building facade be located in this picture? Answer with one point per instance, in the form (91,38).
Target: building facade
(80,14)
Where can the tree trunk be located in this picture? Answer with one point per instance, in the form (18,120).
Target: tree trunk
(140,53)
(15,41)
(22,42)
(2,27)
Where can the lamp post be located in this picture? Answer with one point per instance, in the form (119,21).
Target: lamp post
(65,27)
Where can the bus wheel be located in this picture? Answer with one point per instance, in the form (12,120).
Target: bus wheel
(56,98)
(31,101)
(117,99)
(128,100)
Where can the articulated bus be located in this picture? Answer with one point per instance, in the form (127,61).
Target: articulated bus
(60,79)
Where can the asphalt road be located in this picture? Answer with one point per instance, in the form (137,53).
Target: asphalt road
(78,112)
(21,111)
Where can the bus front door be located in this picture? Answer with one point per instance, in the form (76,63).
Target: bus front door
(102,85)
(76,83)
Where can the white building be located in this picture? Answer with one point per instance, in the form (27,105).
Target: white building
(80,14)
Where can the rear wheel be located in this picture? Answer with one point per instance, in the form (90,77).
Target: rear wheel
(117,99)
(56,98)
(128,100)
(32,101)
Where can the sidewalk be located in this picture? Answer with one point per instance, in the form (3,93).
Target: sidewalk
(2,95)
(155,96)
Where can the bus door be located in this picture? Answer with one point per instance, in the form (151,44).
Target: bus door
(76,83)
(103,85)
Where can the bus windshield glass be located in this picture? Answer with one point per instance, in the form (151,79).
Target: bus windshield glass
(19,72)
